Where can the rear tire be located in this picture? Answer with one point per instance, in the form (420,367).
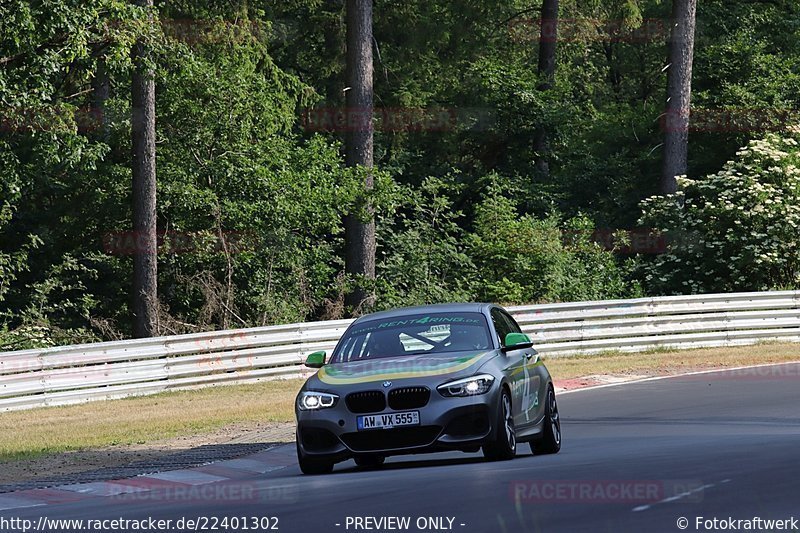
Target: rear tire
(311,466)
(504,447)
(369,461)
(551,433)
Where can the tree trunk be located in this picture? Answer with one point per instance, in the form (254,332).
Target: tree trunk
(335,49)
(101,90)
(679,94)
(360,228)
(143,131)
(548,38)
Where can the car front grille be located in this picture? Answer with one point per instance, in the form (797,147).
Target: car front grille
(409,398)
(391,439)
(371,401)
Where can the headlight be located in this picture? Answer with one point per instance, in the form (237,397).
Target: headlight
(311,401)
(468,386)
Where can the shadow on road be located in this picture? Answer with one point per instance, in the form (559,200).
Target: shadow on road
(428,461)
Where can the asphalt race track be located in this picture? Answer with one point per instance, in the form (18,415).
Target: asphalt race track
(636,457)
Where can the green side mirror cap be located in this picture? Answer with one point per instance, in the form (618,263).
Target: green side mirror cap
(316,360)
(517,341)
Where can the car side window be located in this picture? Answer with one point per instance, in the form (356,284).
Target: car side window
(501,326)
(512,323)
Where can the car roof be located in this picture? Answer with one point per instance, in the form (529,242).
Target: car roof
(434,308)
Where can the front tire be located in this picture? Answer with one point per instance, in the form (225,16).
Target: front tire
(551,439)
(504,446)
(311,466)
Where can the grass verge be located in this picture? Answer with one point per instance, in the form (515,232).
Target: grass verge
(141,420)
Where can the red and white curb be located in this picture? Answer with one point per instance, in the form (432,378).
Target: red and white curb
(237,479)
(586,382)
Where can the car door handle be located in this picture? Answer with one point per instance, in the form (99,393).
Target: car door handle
(530,355)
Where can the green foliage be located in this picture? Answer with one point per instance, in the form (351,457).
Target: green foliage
(426,257)
(421,257)
(48,157)
(523,259)
(231,166)
(251,202)
(229,171)
(735,230)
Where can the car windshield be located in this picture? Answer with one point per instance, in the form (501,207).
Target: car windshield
(413,334)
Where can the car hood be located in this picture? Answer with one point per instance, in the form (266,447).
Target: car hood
(404,367)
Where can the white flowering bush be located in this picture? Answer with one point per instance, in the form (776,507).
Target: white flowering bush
(736,230)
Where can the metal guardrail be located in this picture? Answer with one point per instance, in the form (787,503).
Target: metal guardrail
(74,374)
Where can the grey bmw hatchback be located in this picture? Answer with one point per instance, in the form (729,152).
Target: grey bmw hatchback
(425,379)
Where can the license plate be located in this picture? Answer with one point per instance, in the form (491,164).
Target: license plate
(389,420)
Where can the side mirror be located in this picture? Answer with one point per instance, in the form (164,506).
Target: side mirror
(316,360)
(517,341)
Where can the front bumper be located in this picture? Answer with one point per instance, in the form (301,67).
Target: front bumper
(445,424)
